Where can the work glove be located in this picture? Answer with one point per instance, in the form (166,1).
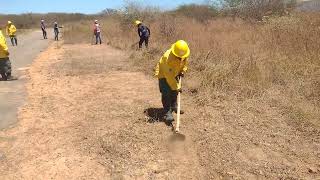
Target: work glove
(179,90)
(7,53)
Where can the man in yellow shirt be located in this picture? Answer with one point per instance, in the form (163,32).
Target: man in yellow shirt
(11,32)
(171,67)
(5,64)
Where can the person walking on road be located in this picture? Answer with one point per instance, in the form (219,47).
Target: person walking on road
(43,28)
(144,34)
(11,32)
(97,32)
(5,64)
(171,67)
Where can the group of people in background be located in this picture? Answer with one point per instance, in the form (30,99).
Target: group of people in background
(143,32)
(55,30)
(11,31)
(171,67)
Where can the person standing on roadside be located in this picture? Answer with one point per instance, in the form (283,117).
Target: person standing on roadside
(11,31)
(97,32)
(56,31)
(144,34)
(43,28)
(5,64)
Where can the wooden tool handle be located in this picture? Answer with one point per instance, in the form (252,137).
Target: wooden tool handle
(179,107)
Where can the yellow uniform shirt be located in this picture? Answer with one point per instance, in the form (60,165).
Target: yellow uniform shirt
(169,67)
(11,30)
(3,46)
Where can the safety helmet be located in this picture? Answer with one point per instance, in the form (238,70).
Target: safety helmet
(95,21)
(55,23)
(9,22)
(42,20)
(138,23)
(181,49)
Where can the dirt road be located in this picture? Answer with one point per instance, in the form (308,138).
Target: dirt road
(12,94)
(90,115)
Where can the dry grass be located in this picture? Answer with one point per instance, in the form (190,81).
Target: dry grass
(32,20)
(232,58)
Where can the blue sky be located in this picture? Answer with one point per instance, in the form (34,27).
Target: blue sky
(82,6)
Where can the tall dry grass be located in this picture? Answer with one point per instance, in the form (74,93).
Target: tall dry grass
(276,61)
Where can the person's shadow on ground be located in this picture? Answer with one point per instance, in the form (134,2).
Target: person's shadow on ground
(156,115)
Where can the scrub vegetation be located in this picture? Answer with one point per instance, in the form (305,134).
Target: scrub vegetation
(32,20)
(268,52)
(253,81)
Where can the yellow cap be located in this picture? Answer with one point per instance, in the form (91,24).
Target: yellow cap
(181,49)
(137,22)
(9,22)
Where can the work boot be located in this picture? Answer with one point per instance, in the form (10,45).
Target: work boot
(10,77)
(168,117)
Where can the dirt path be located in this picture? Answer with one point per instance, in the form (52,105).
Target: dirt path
(12,94)
(91,116)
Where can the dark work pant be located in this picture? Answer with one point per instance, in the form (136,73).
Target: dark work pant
(5,68)
(98,38)
(14,40)
(168,96)
(56,35)
(143,40)
(44,33)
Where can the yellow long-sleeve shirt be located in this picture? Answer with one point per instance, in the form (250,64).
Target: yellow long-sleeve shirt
(3,46)
(169,67)
(11,30)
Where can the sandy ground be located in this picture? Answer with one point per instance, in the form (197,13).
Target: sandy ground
(90,115)
(12,93)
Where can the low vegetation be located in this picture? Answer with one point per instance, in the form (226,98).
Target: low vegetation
(275,60)
(32,20)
